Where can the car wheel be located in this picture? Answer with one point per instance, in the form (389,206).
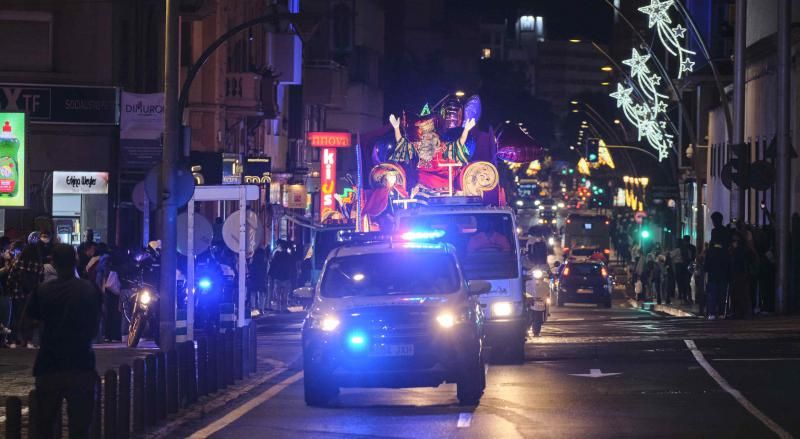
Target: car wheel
(469,389)
(516,352)
(317,387)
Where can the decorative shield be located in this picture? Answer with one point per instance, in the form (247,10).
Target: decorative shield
(479,177)
(378,174)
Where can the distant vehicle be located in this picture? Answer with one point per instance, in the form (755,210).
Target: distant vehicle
(587,231)
(583,282)
(394,314)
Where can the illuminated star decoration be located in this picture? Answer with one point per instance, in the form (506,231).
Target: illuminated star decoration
(658,18)
(645,118)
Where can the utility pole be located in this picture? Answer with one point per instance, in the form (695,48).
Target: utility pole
(169,209)
(740,40)
(783,160)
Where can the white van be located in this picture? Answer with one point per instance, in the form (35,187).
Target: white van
(488,249)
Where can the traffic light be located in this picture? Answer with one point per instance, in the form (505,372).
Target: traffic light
(645,233)
(592,150)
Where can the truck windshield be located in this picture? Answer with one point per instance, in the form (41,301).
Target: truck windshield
(485,242)
(378,274)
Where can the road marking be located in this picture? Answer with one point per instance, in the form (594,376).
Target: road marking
(569,319)
(756,359)
(595,373)
(240,411)
(24,412)
(464,420)
(783,434)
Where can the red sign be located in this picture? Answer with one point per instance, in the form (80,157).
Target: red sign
(321,139)
(327,180)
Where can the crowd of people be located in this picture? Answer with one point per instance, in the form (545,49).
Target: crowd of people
(730,277)
(28,264)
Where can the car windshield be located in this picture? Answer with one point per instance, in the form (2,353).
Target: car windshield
(378,274)
(583,252)
(584,269)
(485,242)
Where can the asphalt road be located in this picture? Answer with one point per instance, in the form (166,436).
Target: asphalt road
(741,381)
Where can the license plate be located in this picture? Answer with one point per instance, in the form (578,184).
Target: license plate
(539,306)
(392,350)
(585,291)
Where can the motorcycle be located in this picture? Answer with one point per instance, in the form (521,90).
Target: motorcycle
(141,305)
(214,284)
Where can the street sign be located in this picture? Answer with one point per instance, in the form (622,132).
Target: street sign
(762,175)
(184,185)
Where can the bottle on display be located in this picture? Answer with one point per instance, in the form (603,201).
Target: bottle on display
(9,169)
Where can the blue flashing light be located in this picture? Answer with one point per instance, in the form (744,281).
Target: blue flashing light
(422,235)
(204,283)
(357,341)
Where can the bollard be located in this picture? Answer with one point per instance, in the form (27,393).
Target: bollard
(181,329)
(97,413)
(221,383)
(227,316)
(138,395)
(237,354)
(254,345)
(110,405)
(124,403)
(228,358)
(161,386)
(246,351)
(212,363)
(33,413)
(13,418)
(202,366)
(191,355)
(150,390)
(172,382)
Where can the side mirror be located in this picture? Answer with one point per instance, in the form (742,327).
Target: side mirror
(304,292)
(479,287)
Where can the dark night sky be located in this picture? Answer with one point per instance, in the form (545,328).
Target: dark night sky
(564,19)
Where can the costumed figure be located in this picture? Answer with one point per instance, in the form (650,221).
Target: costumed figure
(431,153)
(389,183)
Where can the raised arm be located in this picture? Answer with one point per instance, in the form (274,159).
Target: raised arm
(467,127)
(396,124)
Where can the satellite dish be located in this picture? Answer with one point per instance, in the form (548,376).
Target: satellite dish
(139,196)
(230,232)
(203,234)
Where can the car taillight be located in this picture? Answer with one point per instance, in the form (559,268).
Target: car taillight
(607,251)
(604,272)
(566,249)
(566,272)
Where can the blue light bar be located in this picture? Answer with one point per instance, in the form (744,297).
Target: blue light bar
(204,283)
(422,235)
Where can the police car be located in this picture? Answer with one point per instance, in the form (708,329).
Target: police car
(394,313)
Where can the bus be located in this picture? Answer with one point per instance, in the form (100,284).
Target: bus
(587,234)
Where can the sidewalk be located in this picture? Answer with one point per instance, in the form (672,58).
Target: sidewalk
(674,309)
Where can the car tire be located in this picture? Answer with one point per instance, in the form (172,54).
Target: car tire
(516,352)
(469,389)
(317,388)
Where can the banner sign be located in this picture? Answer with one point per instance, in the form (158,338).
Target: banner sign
(321,139)
(141,116)
(59,104)
(327,180)
(77,182)
(257,170)
(296,196)
(13,167)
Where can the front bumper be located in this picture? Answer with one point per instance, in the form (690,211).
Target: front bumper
(439,356)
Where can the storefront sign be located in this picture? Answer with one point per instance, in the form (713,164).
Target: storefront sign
(76,182)
(327,182)
(231,168)
(257,170)
(296,196)
(141,116)
(321,139)
(61,104)
(13,167)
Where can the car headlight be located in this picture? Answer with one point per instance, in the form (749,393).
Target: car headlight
(502,309)
(537,274)
(145,297)
(326,323)
(446,319)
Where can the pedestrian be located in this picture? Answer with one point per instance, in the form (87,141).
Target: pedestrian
(24,278)
(282,271)
(44,245)
(742,270)
(107,280)
(683,258)
(661,279)
(700,281)
(257,279)
(69,311)
(717,268)
(6,262)
(87,252)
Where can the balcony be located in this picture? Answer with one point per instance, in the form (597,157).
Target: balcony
(324,83)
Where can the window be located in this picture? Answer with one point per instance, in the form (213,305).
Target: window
(27,39)
(342,28)
(486,53)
